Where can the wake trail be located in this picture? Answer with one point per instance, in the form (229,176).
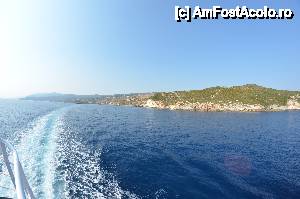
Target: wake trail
(58,165)
(36,148)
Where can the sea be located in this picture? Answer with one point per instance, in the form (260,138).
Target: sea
(103,151)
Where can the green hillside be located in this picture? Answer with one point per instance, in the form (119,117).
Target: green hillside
(247,94)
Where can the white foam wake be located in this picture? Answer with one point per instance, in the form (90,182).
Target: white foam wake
(36,147)
(37,150)
(43,152)
(83,175)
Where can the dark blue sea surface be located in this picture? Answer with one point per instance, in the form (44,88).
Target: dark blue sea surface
(92,151)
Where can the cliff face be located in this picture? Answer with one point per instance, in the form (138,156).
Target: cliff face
(293,104)
(211,107)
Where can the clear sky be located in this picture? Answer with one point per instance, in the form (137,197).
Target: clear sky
(106,47)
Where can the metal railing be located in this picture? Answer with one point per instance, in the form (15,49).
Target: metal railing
(17,176)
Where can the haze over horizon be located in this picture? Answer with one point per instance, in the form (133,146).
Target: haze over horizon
(57,93)
(109,47)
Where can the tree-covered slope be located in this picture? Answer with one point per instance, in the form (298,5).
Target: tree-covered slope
(247,94)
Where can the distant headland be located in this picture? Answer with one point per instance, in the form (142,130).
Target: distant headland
(246,98)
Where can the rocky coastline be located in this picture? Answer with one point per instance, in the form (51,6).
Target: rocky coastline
(245,98)
(212,107)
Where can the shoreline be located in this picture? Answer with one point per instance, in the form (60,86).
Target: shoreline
(201,111)
(245,98)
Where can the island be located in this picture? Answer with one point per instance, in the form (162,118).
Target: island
(245,98)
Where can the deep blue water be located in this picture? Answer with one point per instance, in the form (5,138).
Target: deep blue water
(92,151)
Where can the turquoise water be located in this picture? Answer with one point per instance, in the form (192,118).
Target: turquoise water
(92,151)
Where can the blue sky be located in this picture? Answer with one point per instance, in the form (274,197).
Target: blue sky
(107,47)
